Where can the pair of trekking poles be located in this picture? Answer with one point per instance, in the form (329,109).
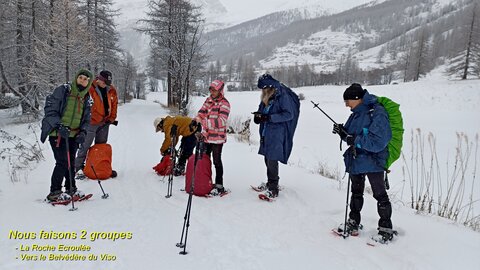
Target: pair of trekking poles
(70,173)
(199,149)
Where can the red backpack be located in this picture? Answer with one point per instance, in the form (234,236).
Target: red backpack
(100,157)
(203,175)
(165,166)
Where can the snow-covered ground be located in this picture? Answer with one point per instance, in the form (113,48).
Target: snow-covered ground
(239,231)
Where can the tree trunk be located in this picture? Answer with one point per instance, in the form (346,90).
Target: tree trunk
(469,45)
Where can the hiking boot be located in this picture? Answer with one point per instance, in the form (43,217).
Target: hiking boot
(79,175)
(271,193)
(72,191)
(114,174)
(384,235)
(260,188)
(351,228)
(54,195)
(179,170)
(217,190)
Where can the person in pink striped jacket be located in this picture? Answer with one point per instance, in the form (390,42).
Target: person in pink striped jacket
(213,116)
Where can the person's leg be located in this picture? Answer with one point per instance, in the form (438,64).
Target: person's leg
(82,150)
(187,146)
(384,207)
(356,200)
(217,162)
(60,155)
(272,175)
(73,146)
(101,135)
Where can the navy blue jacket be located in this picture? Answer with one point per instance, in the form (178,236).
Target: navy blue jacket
(277,133)
(370,125)
(55,105)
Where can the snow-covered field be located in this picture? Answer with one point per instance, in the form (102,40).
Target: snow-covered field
(239,231)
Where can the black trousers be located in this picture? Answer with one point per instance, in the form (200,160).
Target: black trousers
(384,207)
(61,163)
(187,145)
(216,151)
(272,174)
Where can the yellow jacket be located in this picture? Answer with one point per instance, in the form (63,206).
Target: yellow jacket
(183,129)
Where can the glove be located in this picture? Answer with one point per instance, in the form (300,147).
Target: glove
(80,138)
(63,131)
(350,140)
(195,126)
(260,118)
(340,130)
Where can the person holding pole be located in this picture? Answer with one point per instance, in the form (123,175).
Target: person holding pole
(67,115)
(367,132)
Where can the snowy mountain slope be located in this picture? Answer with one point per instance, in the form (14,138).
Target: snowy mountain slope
(239,231)
(220,14)
(365,30)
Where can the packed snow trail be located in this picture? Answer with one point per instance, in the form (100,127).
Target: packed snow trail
(237,231)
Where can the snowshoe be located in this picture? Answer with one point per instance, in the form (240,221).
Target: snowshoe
(268,195)
(63,198)
(384,236)
(351,229)
(54,195)
(219,190)
(260,188)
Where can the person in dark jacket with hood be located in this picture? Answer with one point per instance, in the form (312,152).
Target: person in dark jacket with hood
(367,132)
(277,115)
(67,114)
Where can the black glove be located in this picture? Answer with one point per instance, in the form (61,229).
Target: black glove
(260,118)
(195,126)
(63,131)
(350,140)
(80,138)
(340,130)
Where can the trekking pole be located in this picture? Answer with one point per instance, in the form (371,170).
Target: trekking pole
(105,195)
(186,219)
(70,173)
(315,105)
(173,135)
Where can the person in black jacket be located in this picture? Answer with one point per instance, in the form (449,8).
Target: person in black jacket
(67,114)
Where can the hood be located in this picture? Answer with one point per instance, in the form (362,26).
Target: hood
(74,83)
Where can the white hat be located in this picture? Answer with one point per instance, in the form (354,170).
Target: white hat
(157,122)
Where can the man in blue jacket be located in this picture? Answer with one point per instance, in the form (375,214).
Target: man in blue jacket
(277,115)
(367,132)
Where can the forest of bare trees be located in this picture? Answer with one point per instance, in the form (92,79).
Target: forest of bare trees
(44,43)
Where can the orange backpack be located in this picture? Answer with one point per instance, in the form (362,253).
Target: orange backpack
(100,158)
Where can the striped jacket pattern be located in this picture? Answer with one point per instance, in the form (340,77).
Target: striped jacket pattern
(214,115)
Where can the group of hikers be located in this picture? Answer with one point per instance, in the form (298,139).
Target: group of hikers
(367,133)
(76,115)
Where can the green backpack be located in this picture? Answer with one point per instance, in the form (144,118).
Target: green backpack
(396,125)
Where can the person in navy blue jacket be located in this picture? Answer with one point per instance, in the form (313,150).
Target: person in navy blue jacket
(277,115)
(367,132)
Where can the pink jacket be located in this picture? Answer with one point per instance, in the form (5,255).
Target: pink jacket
(214,115)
